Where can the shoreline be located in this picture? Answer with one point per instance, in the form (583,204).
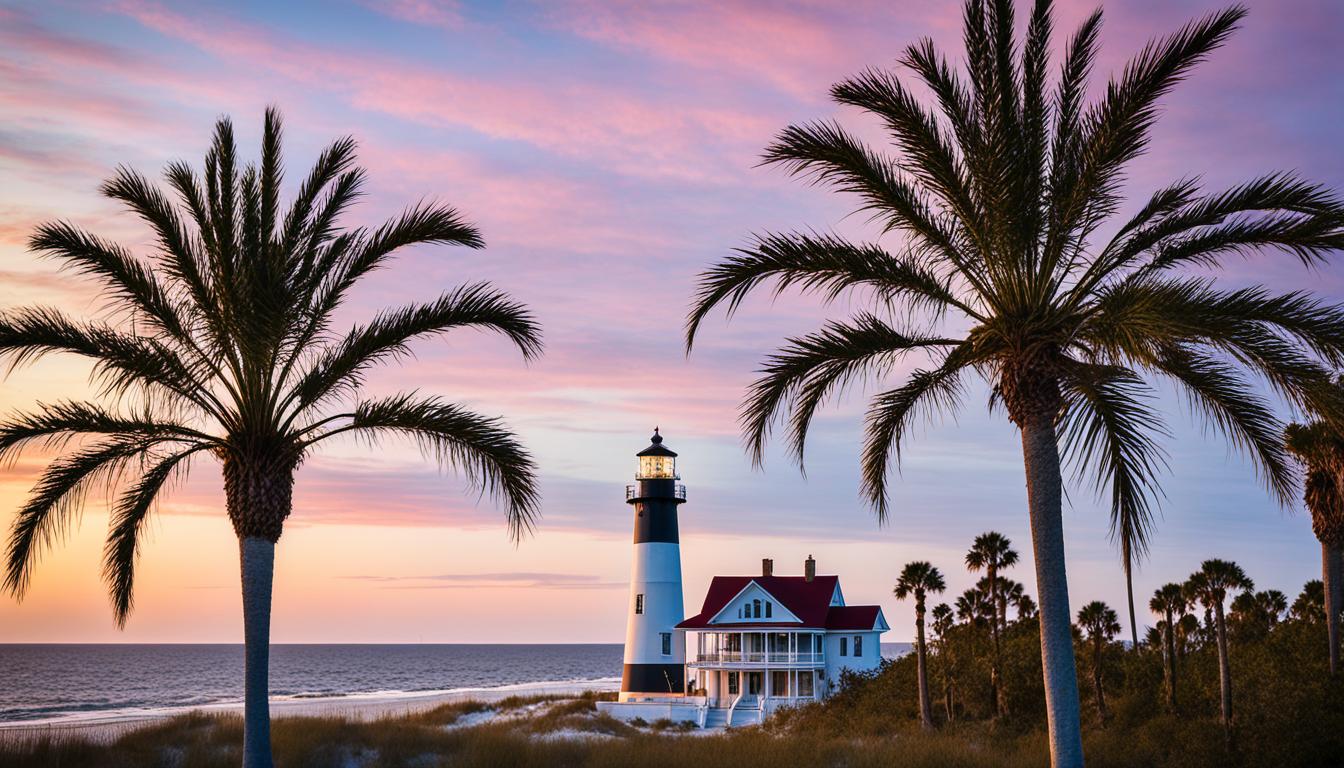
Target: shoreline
(109,724)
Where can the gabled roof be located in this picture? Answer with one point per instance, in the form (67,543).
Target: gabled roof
(810,601)
(856,617)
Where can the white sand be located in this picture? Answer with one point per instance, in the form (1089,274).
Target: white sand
(105,726)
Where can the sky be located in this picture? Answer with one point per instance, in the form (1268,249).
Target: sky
(608,152)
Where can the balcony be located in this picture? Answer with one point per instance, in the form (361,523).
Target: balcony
(632,491)
(761,658)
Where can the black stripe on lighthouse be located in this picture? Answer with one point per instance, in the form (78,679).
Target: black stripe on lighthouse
(653,678)
(656,521)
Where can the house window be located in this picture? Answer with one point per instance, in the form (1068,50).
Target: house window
(779,683)
(820,643)
(667,642)
(805,685)
(768,606)
(756,609)
(844,646)
(732,683)
(639,603)
(858,645)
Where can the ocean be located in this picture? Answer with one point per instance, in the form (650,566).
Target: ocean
(69,683)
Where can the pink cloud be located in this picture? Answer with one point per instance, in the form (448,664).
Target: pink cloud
(431,13)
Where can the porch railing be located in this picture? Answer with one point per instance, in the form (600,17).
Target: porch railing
(760,657)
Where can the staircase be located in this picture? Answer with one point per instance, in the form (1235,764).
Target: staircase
(716,717)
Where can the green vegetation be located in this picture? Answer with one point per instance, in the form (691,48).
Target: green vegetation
(224,346)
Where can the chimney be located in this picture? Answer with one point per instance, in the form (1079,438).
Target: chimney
(809,568)
(767,567)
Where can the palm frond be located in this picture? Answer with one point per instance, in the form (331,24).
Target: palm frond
(820,263)
(489,456)
(57,497)
(892,413)
(388,335)
(1230,404)
(127,525)
(809,368)
(1109,430)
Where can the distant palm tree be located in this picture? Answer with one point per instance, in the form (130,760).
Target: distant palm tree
(943,620)
(991,552)
(1320,448)
(1310,603)
(1025,606)
(1101,624)
(228,350)
(1272,604)
(1002,194)
(919,579)
(1210,585)
(1171,603)
(974,608)
(1010,592)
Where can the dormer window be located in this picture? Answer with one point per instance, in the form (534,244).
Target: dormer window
(756,609)
(768,606)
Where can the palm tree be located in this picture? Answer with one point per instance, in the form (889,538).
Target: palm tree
(1010,593)
(1210,585)
(1025,606)
(1170,602)
(920,578)
(992,552)
(1310,603)
(943,620)
(228,351)
(1001,192)
(1320,448)
(1101,624)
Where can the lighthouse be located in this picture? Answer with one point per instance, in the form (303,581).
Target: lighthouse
(655,651)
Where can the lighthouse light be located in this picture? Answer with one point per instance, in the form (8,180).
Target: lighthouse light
(657,467)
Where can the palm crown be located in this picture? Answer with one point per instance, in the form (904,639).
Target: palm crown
(1320,449)
(1214,579)
(918,579)
(229,351)
(1001,195)
(1169,600)
(1099,620)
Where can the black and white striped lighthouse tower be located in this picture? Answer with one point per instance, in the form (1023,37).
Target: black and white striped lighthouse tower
(655,652)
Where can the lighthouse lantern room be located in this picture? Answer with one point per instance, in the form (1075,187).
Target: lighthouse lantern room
(655,650)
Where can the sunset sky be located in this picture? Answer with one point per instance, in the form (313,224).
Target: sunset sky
(608,152)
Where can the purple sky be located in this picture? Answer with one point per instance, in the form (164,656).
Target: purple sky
(608,152)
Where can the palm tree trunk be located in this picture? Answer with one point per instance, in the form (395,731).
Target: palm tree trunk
(1170,652)
(1224,672)
(258,569)
(1096,683)
(925,708)
(1129,588)
(1040,453)
(995,676)
(1332,576)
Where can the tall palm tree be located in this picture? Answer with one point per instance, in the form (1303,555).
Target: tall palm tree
(227,350)
(1210,585)
(1320,448)
(1001,192)
(919,579)
(1170,602)
(943,621)
(991,552)
(1101,624)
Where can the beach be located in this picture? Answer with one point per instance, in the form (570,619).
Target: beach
(107,725)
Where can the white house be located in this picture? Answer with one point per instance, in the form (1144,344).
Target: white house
(759,642)
(764,642)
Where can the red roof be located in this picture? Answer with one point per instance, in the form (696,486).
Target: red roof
(810,601)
